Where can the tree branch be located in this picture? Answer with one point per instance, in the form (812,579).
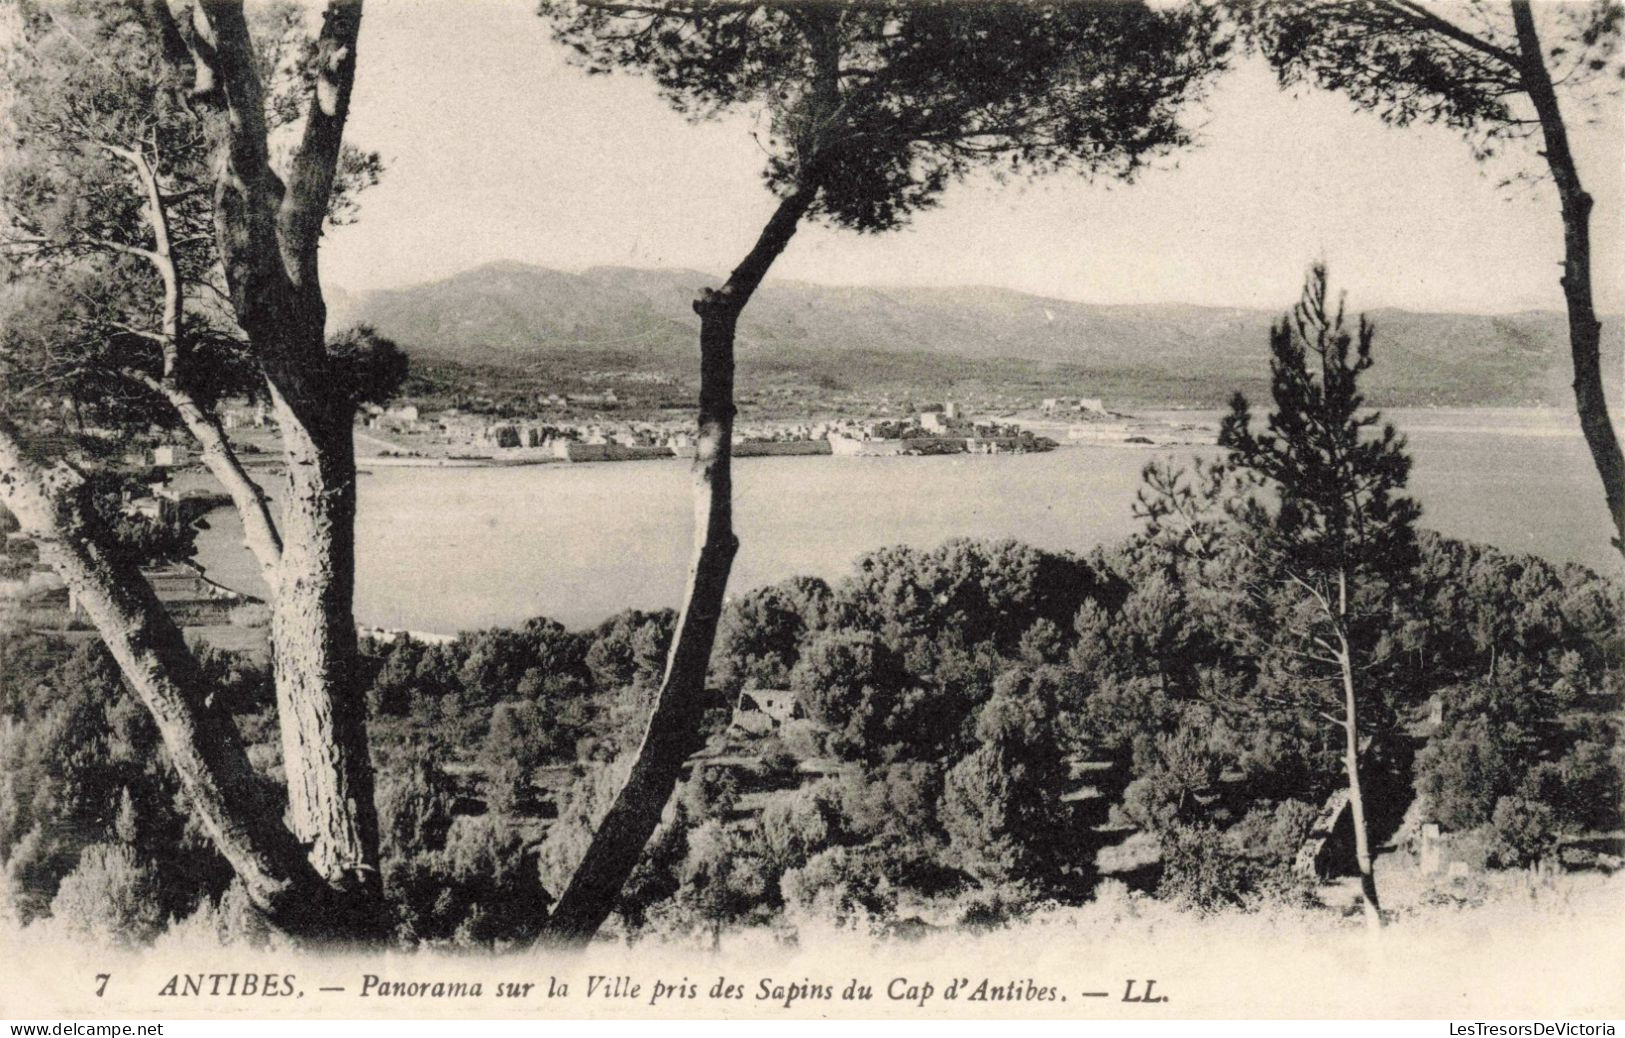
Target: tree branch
(248,192)
(163,256)
(310,178)
(1422,18)
(46,246)
(253,505)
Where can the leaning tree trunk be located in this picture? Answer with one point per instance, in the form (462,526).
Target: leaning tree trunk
(1351,765)
(674,731)
(1585,331)
(234,806)
(320,704)
(260,534)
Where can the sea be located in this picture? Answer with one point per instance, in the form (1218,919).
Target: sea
(441,550)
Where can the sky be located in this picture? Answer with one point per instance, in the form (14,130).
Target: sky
(496,148)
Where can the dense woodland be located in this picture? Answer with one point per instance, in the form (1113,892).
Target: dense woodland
(950,695)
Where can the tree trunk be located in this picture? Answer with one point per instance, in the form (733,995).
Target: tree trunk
(1585,331)
(267,233)
(320,705)
(673,733)
(1351,764)
(259,529)
(231,801)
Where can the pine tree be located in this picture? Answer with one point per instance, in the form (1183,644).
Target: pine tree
(1328,535)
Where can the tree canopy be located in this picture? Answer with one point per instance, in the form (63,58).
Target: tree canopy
(881,106)
(108,221)
(1455,64)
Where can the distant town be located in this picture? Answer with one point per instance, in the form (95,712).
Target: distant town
(589,427)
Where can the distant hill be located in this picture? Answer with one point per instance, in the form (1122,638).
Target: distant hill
(517,315)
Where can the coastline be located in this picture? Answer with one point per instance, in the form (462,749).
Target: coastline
(586,538)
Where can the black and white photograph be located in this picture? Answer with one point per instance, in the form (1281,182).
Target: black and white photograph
(805,509)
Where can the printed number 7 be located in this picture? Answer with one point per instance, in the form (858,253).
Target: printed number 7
(102,987)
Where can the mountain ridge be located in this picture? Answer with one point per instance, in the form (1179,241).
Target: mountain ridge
(513,314)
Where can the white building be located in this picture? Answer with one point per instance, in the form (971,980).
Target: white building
(935,422)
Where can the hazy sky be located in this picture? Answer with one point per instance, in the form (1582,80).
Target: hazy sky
(498,149)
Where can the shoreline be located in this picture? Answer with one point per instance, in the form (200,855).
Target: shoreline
(363,462)
(577,546)
(1156,428)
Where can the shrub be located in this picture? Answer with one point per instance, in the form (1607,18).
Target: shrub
(482,889)
(1586,793)
(1272,834)
(797,826)
(857,688)
(722,880)
(778,764)
(504,787)
(109,897)
(1462,771)
(1201,869)
(414,810)
(1001,804)
(841,886)
(232,920)
(997,906)
(1522,831)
